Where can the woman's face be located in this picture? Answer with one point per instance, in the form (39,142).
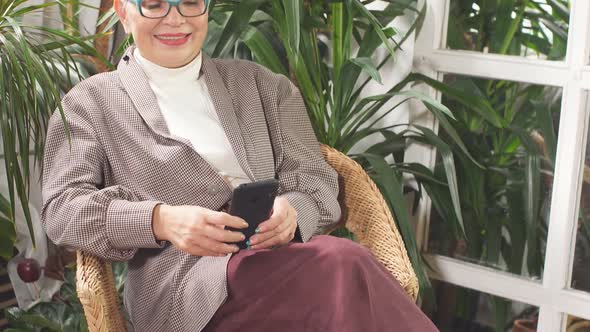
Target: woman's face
(171,41)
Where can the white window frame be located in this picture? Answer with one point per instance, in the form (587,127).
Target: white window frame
(552,294)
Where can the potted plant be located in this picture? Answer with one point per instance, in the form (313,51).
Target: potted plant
(37,65)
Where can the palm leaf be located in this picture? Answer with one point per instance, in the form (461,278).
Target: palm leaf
(36,66)
(235,26)
(391,186)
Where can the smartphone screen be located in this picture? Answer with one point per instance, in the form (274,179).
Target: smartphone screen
(253,202)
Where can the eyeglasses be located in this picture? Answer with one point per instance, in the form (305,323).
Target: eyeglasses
(161,8)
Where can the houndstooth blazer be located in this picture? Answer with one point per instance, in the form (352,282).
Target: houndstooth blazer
(101,184)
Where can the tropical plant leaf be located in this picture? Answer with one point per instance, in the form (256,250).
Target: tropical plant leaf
(293,25)
(390,184)
(263,50)
(452,133)
(420,172)
(451,173)
(29,320)
(7,238)
(501,310)
(516,229)
(532,198)
(479,105)
(376,25)
(37,65)
(235,26)
(390,146)
(366,64)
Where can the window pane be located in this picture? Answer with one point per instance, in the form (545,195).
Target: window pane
(536,28)
(462,309)
(504,184)
(581,267)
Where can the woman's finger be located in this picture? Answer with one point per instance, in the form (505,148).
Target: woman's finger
(270,233)
(194,247)
(269,225)
(262,237)
(198,251)
(284,234)
(215,246)
(224,219)
(222,235)
(281,238)
(279,215)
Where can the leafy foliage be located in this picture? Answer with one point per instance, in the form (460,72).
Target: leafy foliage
(328,49)
(37,65)
(64,313)
(511,27)
(513,139)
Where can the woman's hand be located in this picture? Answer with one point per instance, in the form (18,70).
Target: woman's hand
(196,230)
(279,229)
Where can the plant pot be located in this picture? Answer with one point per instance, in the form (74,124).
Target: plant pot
(580,326)
(524,325)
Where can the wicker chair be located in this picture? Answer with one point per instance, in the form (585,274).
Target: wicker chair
(365,214)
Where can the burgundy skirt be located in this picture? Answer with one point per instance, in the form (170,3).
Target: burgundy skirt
(327,284)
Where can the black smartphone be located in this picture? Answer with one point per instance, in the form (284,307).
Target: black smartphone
(253,202)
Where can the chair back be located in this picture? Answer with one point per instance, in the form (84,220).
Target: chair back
(366,214)
(96,290)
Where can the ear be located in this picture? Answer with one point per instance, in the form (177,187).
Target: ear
(121,11)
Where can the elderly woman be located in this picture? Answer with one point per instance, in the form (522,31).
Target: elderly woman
(153,152)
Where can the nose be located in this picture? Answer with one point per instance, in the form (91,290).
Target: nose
(174,18)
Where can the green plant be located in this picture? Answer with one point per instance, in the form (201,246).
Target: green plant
(313,43)
(37,64)
(512,141)
(510,27)
(503,204)
(65,312)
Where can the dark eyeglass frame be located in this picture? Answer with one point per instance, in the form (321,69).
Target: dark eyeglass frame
(172,4)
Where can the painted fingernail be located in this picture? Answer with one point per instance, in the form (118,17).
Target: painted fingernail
(257,229)
(248,243)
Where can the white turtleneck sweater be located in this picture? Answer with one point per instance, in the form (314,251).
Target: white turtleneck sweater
(187,108)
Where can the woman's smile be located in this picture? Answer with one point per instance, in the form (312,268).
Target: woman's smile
(173,39)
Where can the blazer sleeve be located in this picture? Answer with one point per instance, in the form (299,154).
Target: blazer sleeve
(77,211)
(306,180)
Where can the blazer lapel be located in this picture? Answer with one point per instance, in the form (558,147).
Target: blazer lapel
(222,101)
(137,86)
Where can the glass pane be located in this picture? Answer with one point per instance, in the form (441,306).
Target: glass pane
(581,267)
(504,184)
(462,309)
(535,28)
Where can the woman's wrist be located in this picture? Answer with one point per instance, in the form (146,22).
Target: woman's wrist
(159,220)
